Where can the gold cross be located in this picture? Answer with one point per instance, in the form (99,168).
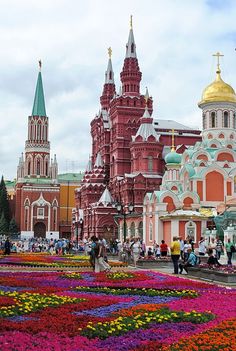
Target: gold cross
(109,52)
(218,55)
(131,22)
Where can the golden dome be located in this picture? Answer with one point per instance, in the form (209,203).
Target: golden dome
(218,91)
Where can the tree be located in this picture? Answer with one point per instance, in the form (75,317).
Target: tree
(4,203)
(13,228)
(3,225)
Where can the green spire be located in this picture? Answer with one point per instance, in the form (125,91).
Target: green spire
(39,104)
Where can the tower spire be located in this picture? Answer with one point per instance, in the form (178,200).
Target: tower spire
(131,47)
(131,75)
(109,88)
(39,103)
(109,75)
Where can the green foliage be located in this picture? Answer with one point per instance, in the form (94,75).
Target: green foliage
(13,228)
(3,225)
(4,202)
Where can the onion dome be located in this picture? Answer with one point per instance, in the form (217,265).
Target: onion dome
(173,158)
(218,91)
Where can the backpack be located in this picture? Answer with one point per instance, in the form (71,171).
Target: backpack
(232,248)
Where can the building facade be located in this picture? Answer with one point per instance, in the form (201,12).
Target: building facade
(200,182)
(128,152)
(43,200)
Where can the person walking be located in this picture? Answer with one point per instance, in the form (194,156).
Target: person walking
(181,247)
(175,254)
(136,250)
(228,248)
(100,254)
(127,251)
(219,248)
(7,247)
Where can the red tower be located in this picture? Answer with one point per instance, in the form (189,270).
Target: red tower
(37,190)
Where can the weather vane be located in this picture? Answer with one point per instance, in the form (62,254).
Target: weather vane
(109,52)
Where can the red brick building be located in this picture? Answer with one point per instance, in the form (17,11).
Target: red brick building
(37,194)
(128,152)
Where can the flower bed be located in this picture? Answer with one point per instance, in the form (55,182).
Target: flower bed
(115,311)
(45,260)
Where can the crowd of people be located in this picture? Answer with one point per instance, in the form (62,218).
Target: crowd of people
(182,252)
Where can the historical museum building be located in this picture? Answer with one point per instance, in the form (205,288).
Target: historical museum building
(43,199)
(127,158)
(200,182)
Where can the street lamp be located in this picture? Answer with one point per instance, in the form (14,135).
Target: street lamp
(122,211)
(79,231)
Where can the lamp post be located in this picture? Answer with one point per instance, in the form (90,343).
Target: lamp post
(79,231)
(121,209)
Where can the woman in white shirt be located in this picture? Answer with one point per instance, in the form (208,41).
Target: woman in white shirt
(202,247)
(136,248)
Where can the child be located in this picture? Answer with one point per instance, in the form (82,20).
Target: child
(158,251)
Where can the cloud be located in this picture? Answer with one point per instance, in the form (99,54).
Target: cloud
(174,39)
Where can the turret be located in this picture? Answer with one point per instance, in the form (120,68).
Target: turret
(145,147)
(218,106)
(37,147)
(131,75)
(109,88)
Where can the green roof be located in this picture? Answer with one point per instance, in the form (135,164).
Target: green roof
(39,104)
(76,177)
(10,183)
(37,181)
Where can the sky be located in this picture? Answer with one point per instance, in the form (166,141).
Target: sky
(175,40)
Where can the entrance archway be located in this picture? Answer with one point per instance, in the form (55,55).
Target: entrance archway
(40,230)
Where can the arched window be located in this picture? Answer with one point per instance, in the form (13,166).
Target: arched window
(132,48)
(132,229)
(46,169)
(150,232)
(110,75)
(226,119)
(140,230)
(29,165)
(38,168)
(213,120)
(150,163)
(204,121)
(234,121)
